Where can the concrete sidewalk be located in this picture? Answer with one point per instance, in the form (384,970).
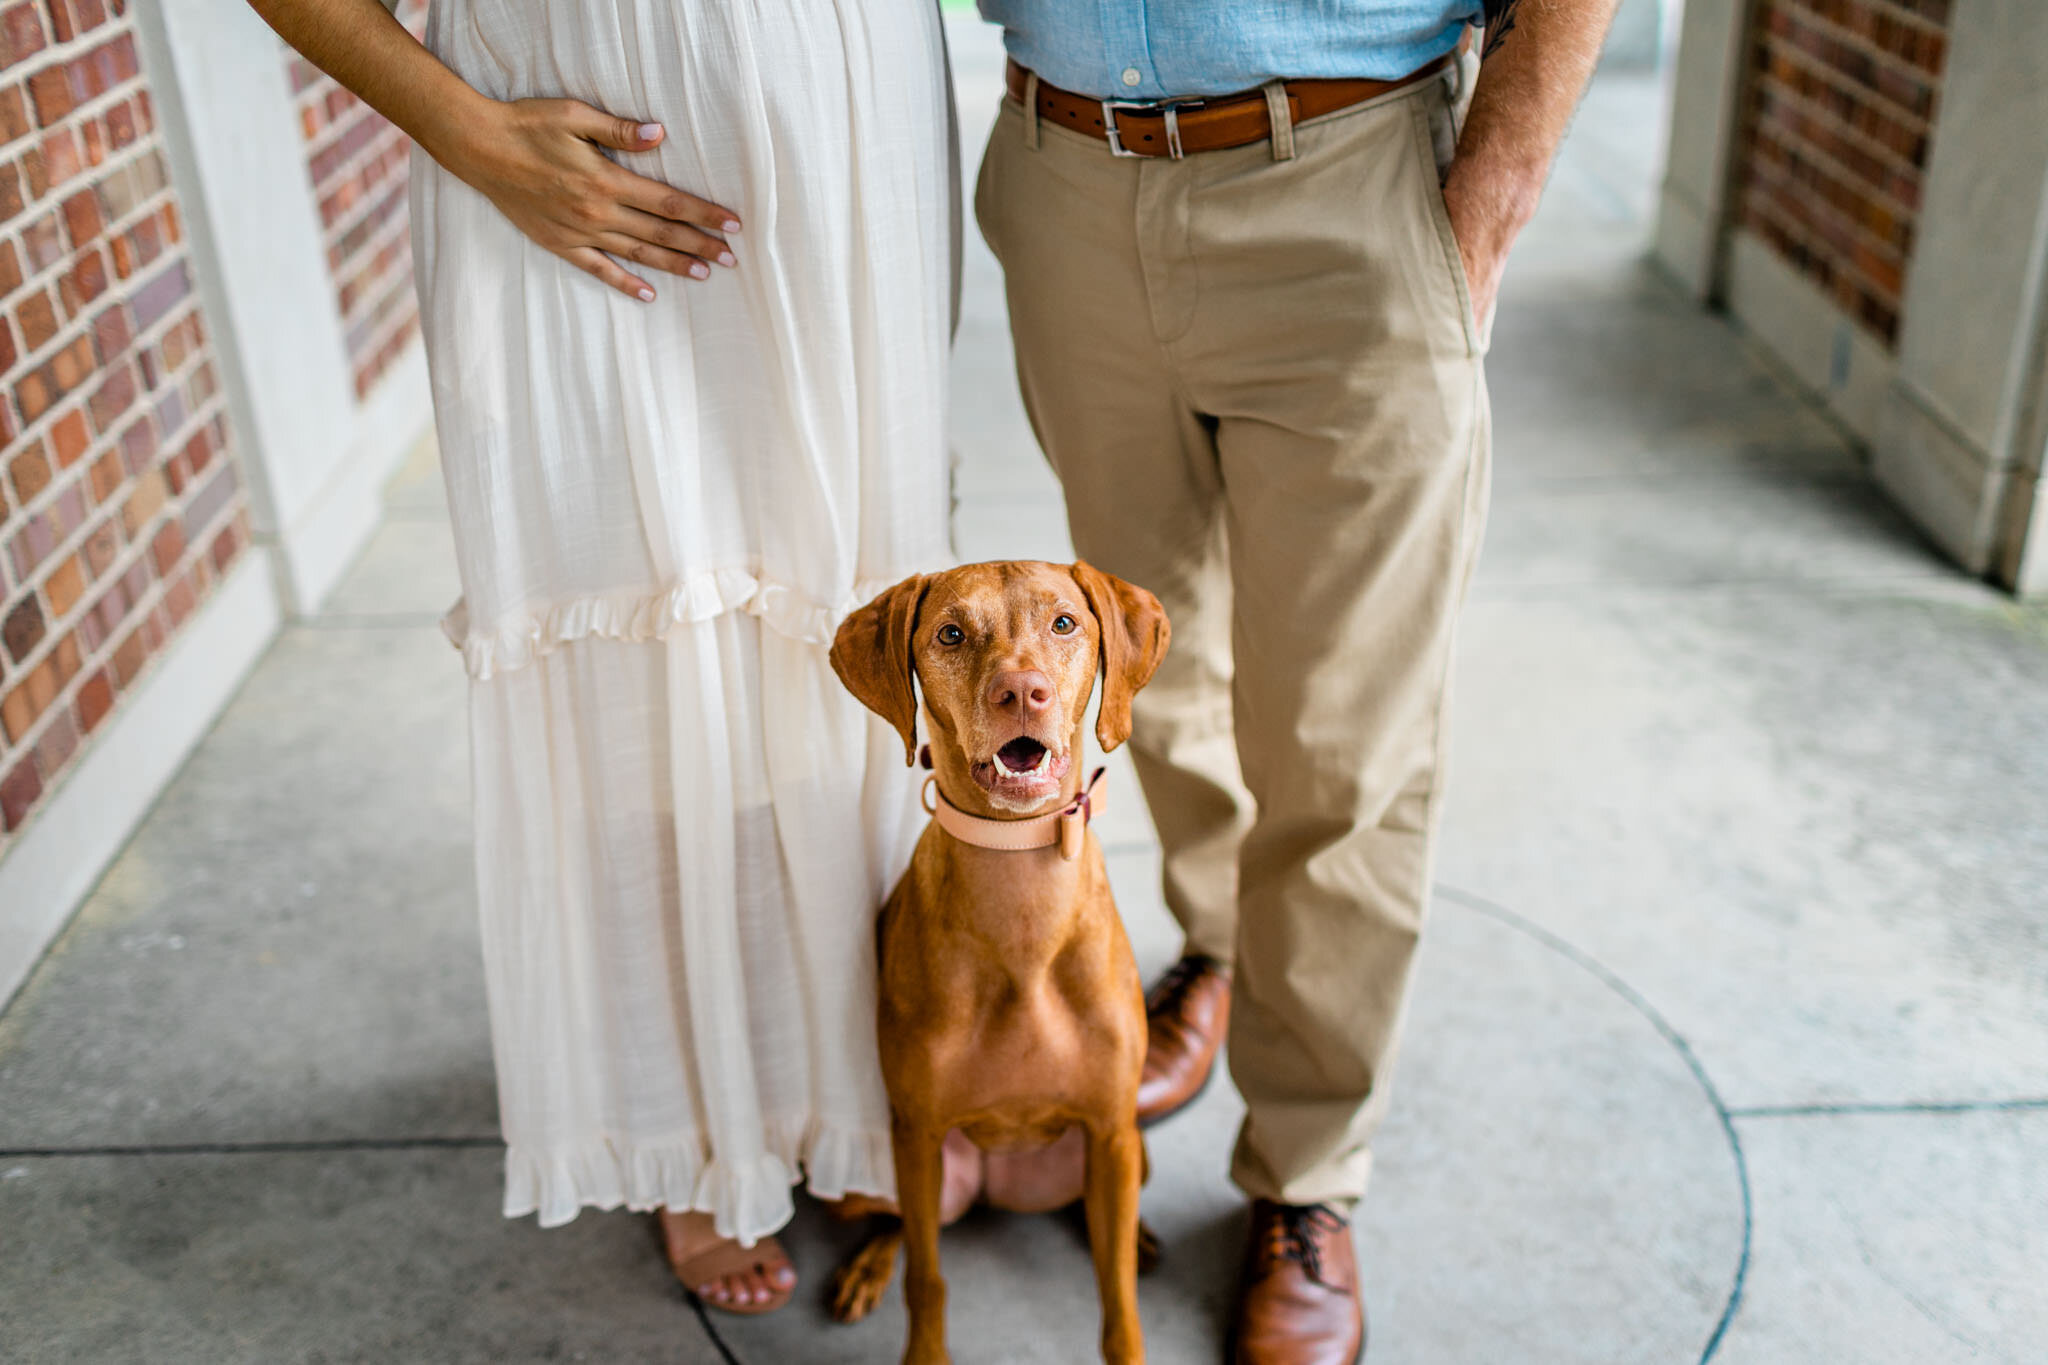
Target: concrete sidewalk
(1731,1039)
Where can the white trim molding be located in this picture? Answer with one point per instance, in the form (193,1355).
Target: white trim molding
(315,550)
(1845,364)
(54,863)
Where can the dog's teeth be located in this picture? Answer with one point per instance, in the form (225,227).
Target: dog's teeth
(1038,769)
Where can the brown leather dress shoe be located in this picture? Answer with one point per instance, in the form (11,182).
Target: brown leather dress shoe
(1299,1302)
(1186,1016)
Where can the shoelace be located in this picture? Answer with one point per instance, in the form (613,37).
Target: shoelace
(1292,1236)
(1179,978)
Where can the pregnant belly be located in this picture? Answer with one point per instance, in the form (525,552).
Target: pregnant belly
(652,58)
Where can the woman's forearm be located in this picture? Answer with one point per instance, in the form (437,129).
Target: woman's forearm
(362,46)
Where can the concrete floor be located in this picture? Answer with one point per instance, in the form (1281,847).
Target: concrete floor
(1731,1038)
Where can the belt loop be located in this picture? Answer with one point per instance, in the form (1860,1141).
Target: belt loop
(1031,110)
(1282,120)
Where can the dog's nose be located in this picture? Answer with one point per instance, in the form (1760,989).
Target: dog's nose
(1025,691)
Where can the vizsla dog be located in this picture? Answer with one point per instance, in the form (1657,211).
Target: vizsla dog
(1010,1010)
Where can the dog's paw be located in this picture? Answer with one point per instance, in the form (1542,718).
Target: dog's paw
(855,1207)
(854,1296)
(1148,1249)
(865,1277)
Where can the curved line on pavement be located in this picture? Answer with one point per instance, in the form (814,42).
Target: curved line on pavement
(1635,999)
(704,1321)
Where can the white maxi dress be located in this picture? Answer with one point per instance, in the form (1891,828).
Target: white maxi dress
(684,825)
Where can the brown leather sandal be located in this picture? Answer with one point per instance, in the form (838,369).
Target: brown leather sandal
(708,1272)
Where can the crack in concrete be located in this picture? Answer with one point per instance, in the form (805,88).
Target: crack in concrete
(1851,1108)
(725,1352)
(1934,1319)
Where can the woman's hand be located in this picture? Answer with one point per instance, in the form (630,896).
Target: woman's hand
(538,161)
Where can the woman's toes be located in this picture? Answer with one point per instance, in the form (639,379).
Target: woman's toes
(724,1274)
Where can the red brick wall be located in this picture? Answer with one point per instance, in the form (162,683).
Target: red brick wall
(358,166)
(1842,106)
(119,503)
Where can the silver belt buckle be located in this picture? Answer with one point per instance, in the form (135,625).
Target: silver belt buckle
(1170,109)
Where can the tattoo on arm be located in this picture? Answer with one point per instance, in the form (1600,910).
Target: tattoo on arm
(1500,20)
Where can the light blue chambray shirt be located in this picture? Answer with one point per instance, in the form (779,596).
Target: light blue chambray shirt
(1157,49)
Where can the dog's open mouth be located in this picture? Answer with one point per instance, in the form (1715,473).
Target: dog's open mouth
(1022,770)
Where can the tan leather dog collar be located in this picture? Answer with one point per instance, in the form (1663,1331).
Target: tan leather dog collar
(1066,827)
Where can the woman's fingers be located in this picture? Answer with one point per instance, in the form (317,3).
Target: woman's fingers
(595,213)
(640,251)
(650,196)
(675,237)
(678,206)
(609,130)
(594,262)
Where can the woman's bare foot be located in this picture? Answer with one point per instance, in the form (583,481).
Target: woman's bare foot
(718,1270)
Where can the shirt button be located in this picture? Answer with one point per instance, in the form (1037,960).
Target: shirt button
(1132,76)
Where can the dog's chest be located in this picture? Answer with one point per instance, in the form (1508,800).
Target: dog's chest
(1009,988)
(1030,1048)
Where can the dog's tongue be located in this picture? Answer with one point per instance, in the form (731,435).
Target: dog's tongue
(1022,754)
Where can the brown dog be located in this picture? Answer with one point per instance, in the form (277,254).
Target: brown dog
(1011,1010)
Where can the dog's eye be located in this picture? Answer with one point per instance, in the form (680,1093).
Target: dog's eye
(1063,624)
(951,635)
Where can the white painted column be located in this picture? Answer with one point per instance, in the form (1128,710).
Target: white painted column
(316,459)
(1961,439)
(2029,548)
(1705,108)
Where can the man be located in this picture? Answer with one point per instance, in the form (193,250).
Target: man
(1251,255)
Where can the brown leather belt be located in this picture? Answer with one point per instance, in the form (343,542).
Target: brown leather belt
(1176,128)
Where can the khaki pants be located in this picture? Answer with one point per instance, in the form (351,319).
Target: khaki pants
(1260,382)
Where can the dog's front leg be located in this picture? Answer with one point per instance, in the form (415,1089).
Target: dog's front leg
(1116,1170)
(920,1179)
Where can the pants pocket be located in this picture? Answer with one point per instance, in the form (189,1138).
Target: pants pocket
(1436,140)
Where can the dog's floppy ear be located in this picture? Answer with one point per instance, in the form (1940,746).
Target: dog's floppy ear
(1134,637)
(871,655)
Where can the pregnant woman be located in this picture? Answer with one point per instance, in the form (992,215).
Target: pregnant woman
(684,270)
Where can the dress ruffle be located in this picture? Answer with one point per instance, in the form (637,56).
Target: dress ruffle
(747,1199)
(520,639)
